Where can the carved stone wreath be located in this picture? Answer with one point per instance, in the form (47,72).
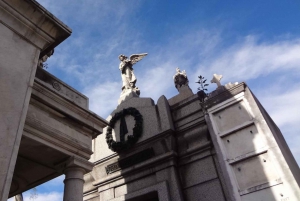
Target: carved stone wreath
(131,139)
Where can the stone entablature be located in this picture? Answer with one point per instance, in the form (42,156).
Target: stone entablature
(59,87)
(62,129)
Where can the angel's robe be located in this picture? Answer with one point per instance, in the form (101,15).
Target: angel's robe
(128,77)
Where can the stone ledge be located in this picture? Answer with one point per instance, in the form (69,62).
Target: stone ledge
(218,97)
(34,23)
(61,104)
(56,85)
(161,159)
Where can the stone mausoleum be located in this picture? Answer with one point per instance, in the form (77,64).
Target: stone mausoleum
(217,146)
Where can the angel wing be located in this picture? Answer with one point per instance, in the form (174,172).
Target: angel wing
(134,58)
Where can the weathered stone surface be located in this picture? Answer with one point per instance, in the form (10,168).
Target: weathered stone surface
(210,191)
(34,23)
(134,186)
(198,172)
(107,194)
(157,119)
(73,190)
(184,93)
(249,154)
(127,95)
(54,84)
(16,79)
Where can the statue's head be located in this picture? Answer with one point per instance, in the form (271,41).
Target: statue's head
(122,57)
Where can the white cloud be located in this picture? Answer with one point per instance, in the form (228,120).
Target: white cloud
(250,59)
(51,196)
(283,107)
(103,98)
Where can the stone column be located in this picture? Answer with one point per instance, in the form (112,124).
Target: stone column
(73,190)
(74,168)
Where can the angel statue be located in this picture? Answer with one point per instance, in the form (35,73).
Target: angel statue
(128,77)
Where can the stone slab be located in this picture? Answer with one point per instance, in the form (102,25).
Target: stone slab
(16,80)
(210,191)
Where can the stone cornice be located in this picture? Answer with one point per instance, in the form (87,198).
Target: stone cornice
(55,137)
(31,21)
(59,103)
(221,96)
(56,85)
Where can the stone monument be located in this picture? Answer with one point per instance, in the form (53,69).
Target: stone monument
(222,148)
(129,89)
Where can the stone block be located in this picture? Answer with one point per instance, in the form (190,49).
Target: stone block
(184,93)
(107,194)
(231,117)
(209,191)
(255,171)
(134,186)
(244,141)
(198,172)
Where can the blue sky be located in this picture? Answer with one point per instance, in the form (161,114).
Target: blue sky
(253,41)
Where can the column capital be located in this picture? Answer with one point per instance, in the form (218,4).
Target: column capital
(75,162)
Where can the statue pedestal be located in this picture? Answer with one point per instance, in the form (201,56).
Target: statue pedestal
(127,95)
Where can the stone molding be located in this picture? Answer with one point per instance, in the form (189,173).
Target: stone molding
(161,188)
(58,86)
(184,103)
(56,137)
(75,162)
(65,106)
(35,24)
(218,97)
(161,159)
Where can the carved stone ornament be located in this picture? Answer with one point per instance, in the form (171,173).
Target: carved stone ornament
(180,78)
(131,139)
(127,73)
(41,62)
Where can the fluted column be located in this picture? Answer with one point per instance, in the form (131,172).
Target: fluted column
(73,190)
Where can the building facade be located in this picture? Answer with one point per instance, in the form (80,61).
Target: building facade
(217,147)
(223,147)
